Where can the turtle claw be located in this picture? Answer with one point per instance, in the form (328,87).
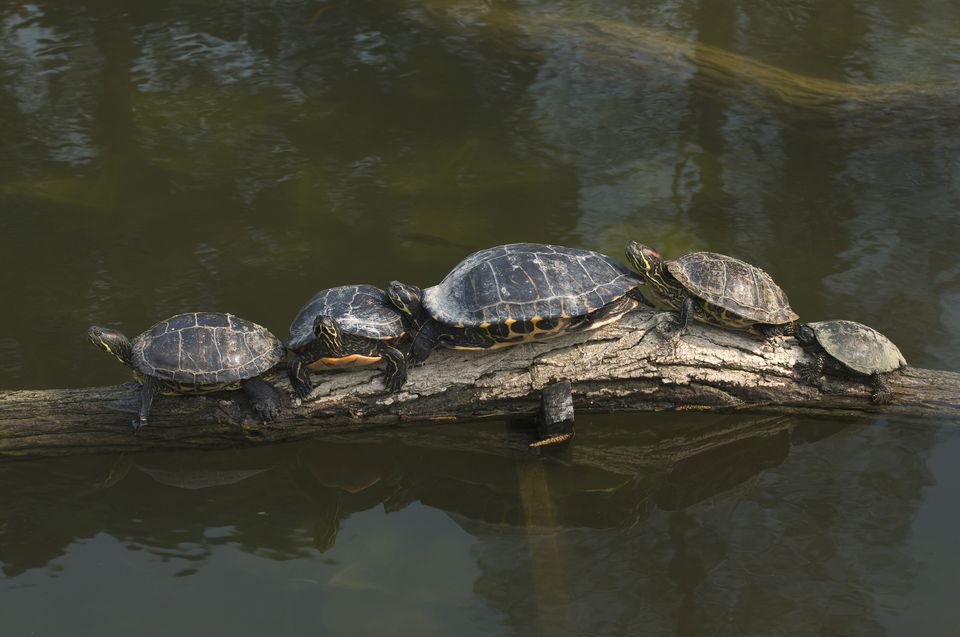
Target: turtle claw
(138,424)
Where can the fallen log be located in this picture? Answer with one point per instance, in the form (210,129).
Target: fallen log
(634,365)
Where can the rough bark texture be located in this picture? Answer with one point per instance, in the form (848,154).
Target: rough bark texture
(634,365)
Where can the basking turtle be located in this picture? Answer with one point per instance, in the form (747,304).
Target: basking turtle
(715,289)
(343,327)
(849,348)
(195,353)
(514,293)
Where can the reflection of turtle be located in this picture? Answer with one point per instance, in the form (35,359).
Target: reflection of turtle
(715,289)
(196,353)
(346,326)
(515,293)
(851,348)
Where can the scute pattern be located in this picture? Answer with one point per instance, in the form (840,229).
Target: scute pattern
(521,281)
(859,347)
(733,285)
(205,349)
(360,310)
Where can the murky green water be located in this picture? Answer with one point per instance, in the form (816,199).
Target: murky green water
(165,156)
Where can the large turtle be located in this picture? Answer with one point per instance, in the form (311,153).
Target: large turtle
(346,326)
(195,353)
(514,293)
(849,348)
(715,289)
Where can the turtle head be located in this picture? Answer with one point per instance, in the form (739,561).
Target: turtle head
(113,342)
(644,259)
(406,298)
(648,263)
(328,332)
(805,334)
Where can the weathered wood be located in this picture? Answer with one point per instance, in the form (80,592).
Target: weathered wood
(634,365)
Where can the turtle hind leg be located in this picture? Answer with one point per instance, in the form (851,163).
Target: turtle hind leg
(264,397)
(148,391)
(556,415)
(769,331)
(395,375)
(880,394)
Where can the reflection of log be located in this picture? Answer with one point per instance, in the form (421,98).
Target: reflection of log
(630,366)
(628,52)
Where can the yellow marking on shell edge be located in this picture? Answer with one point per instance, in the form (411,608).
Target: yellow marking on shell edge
(484,325)
(353,360)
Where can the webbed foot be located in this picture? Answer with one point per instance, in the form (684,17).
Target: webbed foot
(264,397)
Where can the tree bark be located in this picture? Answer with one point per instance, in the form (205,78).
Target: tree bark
(634,365)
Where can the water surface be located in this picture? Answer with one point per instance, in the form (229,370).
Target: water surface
(180,156)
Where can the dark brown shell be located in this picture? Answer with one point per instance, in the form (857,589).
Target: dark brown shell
(733,285)
(360,310)
(521,281)
(205,349)
(858,346)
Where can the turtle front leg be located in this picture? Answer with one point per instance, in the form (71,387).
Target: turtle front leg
(148,390)
(264,397)
(396,373)
(556,415)
(810,373)
(881,394)
(427,339)
(299,375)
(687,309)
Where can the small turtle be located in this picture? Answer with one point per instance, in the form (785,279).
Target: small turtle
(849,348)
(196,353)
(343,327)
(514,293)
(715,289)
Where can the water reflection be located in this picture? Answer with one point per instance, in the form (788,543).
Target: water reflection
(700,522)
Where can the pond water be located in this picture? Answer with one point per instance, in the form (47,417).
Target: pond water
(182,155)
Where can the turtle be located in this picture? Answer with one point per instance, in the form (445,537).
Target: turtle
(849,348)
(343,327)
(196,353)
(715,289)
(514,293)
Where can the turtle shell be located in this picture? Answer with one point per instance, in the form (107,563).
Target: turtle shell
(522,281)
(205,349)
(859,347)
(360,310)
(733,285)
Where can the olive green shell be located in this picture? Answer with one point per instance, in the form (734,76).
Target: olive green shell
(733,285)
(524,281)
(857,346)
(205,349)
(360,310)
